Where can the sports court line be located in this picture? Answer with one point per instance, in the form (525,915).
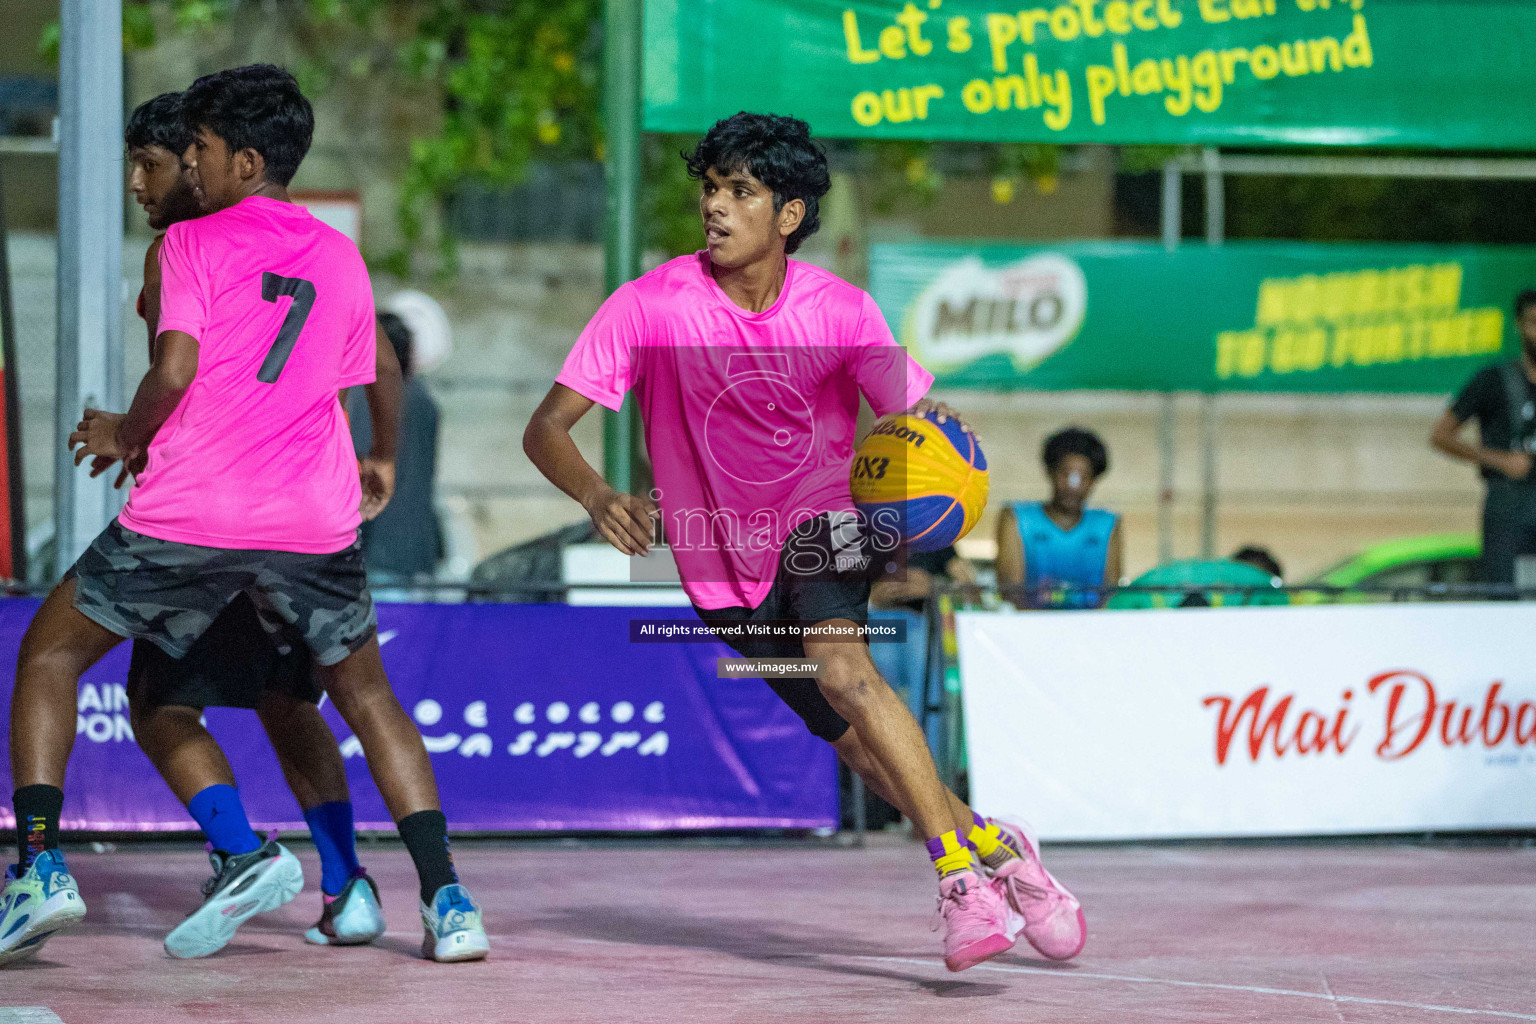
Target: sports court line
(1256,989)
(28,1015)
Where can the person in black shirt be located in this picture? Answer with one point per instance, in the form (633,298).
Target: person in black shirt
(405,542)
(1502,398)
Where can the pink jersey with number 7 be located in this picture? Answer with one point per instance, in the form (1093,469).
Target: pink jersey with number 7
(257,454)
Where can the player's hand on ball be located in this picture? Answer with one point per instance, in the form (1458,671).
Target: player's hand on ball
(942,412)
(378,480)
(624,520)
(97,437)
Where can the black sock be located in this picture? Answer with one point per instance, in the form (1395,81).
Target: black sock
(37,822)
(425,834)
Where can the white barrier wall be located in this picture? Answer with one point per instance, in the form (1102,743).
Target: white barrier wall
(1253,721)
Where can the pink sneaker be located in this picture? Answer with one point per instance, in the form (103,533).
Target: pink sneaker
(975,921)
(1053,917)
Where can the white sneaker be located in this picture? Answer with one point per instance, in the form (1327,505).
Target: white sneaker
(453,927)
(353,918)
(242,886)
(37,906)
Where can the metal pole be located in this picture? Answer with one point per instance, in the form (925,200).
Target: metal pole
(860,813)
(1167,421)
(1208,475)
(1173,230)
(621,111)
(14,483)
(1173,206)
(1215,197)
(90,258)
(1215,234)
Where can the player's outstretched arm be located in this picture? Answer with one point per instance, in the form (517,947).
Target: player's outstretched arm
(624,520)
(386,402)
(126,437)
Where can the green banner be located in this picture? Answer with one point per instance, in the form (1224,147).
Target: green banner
(1246,316)
(1437,74)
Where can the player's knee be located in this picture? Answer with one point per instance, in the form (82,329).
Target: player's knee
(159,730)
(41,659)
(361,695)
(848,676)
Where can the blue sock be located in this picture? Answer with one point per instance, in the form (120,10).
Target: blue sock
(219,812)
(330,826)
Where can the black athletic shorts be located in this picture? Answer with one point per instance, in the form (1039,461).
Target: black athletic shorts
(234,664)
(169,593)
(824,573)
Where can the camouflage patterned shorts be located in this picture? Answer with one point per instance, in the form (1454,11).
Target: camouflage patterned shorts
(170,593)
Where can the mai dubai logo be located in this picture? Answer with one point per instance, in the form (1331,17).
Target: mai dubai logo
(1026,310)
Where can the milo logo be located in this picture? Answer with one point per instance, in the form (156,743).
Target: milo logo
(901,433)
(1026,310)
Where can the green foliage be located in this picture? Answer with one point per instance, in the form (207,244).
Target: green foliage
(516,80)
(671,198)
(519,83)
(139,31)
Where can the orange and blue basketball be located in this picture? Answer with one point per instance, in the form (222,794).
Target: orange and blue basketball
(923,479)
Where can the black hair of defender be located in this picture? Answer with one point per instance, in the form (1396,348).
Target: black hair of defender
(159,122)
(777,151)
(1075,441)
(1523,301)
(258,106)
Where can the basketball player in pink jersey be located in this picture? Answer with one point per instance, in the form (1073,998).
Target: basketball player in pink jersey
(235,663)
(249,486)
(748,367)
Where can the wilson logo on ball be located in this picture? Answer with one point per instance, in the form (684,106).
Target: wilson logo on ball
(925,479)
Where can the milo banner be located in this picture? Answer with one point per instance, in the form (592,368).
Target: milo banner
(1248,316)
(1420,73)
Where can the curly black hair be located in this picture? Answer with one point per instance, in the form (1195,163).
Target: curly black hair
(1075,441)
(158,122)
(775,150)
(258,106)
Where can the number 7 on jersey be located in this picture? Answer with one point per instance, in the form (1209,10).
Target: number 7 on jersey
(303,294)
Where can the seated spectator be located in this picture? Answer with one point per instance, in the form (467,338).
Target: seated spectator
(405,542)
(1043,548)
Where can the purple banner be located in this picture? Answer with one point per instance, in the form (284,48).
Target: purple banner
(536,716)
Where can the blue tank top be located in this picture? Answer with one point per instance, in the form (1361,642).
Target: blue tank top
(1054,557)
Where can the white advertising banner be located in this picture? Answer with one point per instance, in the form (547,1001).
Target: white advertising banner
(1253,721)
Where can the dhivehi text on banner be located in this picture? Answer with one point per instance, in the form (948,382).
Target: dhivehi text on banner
(1251,316)
(1252,721)
(1420,73)
(535,716)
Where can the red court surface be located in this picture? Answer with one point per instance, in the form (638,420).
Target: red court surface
(689,932)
